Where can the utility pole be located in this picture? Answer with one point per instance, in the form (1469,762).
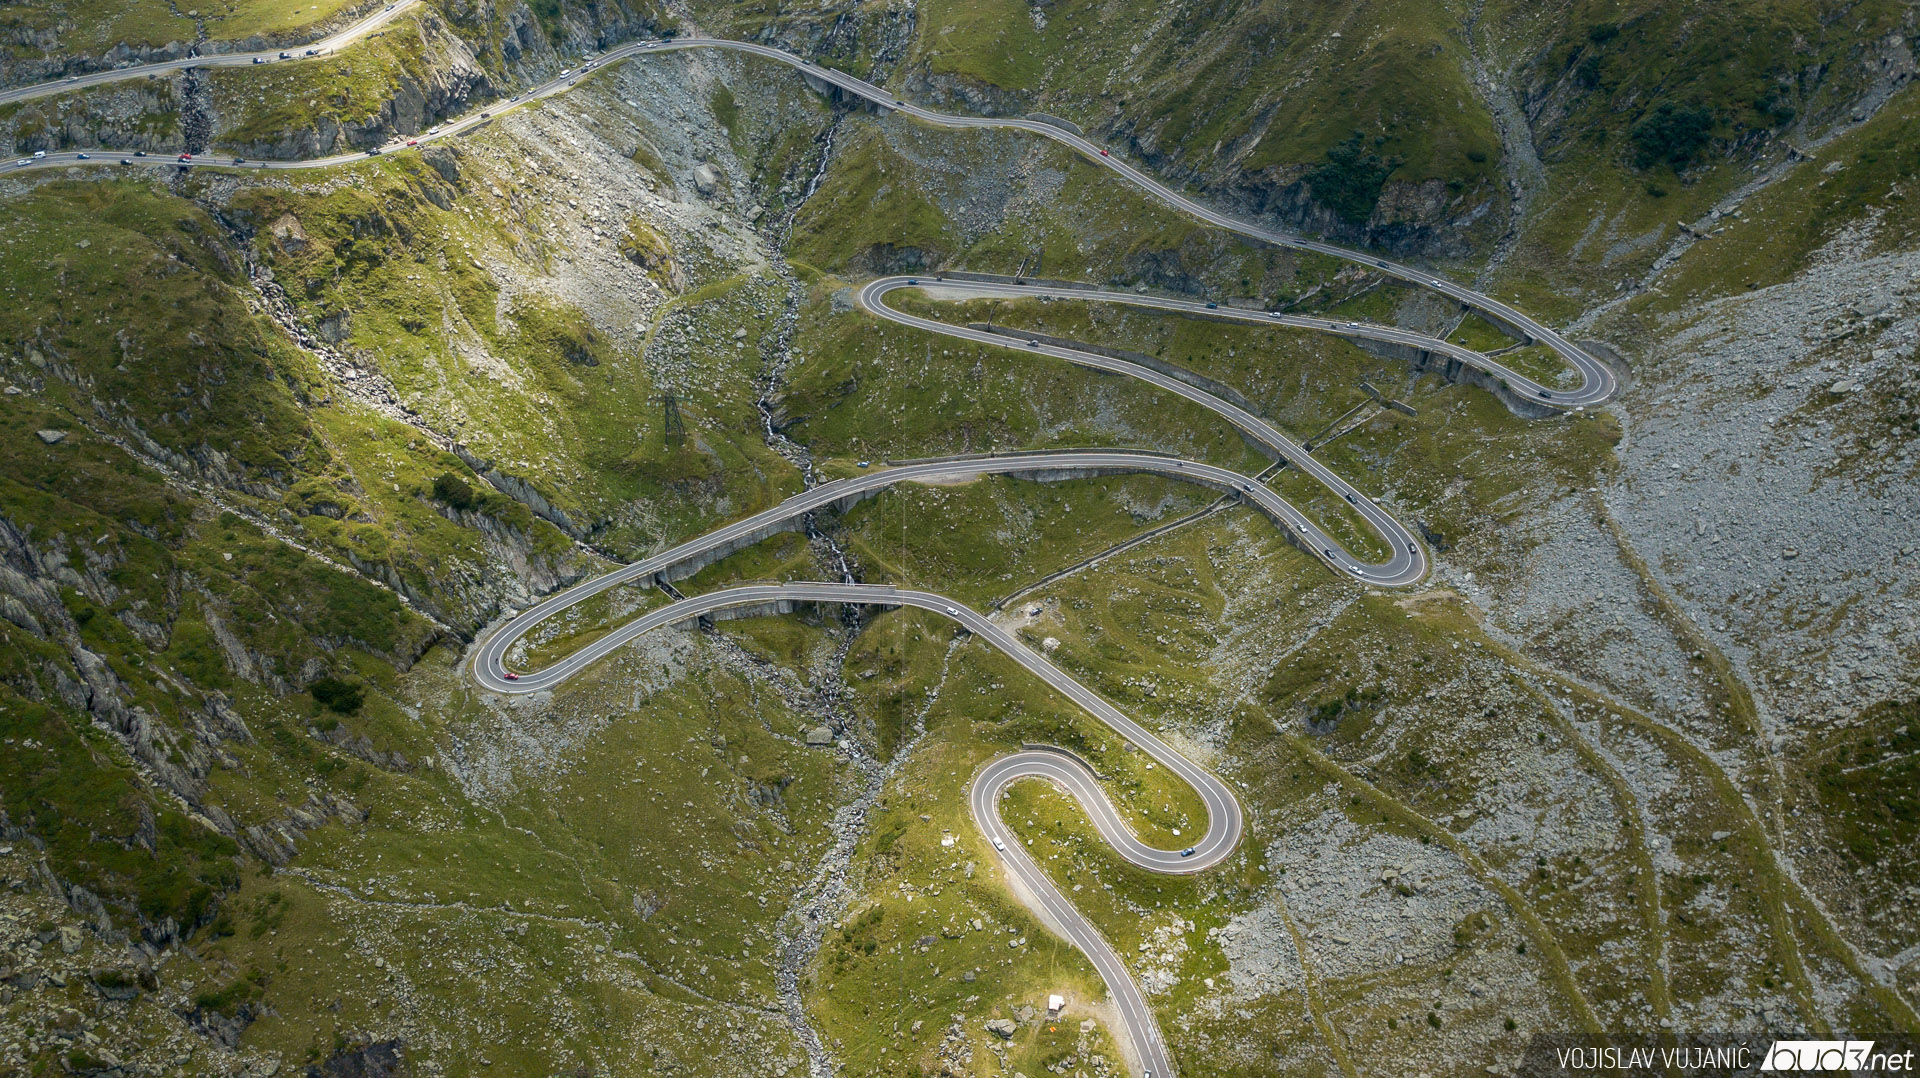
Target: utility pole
(675,430)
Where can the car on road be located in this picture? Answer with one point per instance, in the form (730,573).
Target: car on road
(913,280)
(312,52)
(1104,153)
(1353,325)
(1188,852)
(565,71)
(1379,263)
(83,157)
(999,845)
(1326,551)
(186,157)
(953,611)
(24,162)
(373,151)
(286,56)
(1213,306)
(486,116)
(1411,549)
(902,104)
(511,676)
(1545,396)
(139,153)
(1350,500)
(413,142)
(259,60)
(126,160)
(38,154)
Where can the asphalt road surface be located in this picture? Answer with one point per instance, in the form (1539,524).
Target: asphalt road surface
(329,45)
(1598,383)
(790,512)
(1596,390)
(1225,820)
(1406,564)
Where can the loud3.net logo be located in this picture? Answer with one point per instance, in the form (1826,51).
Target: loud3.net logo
(1569,1056)
(1854,1056)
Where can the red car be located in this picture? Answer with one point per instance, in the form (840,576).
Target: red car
(413,142)
(186,157)
(1104,153)
(511,676)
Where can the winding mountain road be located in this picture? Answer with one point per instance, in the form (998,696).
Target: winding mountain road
(1225,820)
(1406,563)
(688,557)
(326,46)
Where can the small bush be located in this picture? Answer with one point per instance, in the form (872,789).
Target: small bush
(337,695)
(454,491)
(1349,183)
(1673,135)
(227,1000)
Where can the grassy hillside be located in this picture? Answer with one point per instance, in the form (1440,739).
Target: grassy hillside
(274,448)
(89,27)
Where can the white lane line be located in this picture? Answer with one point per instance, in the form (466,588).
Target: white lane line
(1226,820)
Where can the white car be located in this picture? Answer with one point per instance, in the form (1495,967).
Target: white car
(954,611)
(999,845)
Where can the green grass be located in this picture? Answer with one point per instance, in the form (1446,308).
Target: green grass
(92,26)
(874,977)
(567,401)
(72,785)
(262,106)
(1480,335)
(980,540)
(870,205)
(1214,81)
(1863,780)
(992,42)
(1782,227)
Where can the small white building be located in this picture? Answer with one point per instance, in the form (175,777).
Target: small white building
(1056,1004)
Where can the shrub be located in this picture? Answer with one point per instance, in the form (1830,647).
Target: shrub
(454,491)
(1349,183)
(1673,135)
(335,694)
